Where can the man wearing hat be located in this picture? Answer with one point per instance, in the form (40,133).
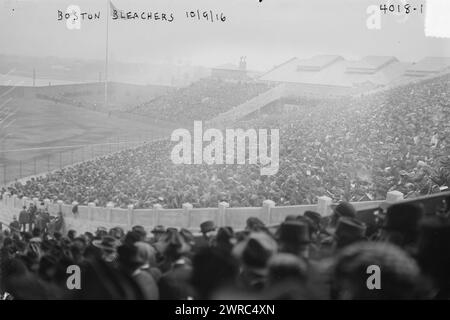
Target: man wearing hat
(343,209)
(254,254)
(293,237)
(131,259)
(101,232)
(348,231)
(433,255)
(213,271)
(157,232)
(140,230)
(254,224)
(315,221)
(117,233)
(400,275)
(401,225)
(32,212)
(23,219)
(147,254)
(225,239)
(208,230)
(108,245)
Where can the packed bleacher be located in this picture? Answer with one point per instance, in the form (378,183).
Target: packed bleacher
(350,149)
(305,257)
(201,100)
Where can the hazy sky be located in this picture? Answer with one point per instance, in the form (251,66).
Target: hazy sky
(268,33)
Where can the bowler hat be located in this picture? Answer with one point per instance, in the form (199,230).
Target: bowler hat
(207,226)
(254,224)
(345,209)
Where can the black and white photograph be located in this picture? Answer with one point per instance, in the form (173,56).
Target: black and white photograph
(208,151)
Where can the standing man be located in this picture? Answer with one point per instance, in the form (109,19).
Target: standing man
(32,211)
(45,220)
(23,219)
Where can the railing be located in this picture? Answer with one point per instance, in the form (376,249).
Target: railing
(28,162)
(89,217)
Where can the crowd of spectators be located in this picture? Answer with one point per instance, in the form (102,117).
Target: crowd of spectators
(305,257)
(200,100)
(350,149)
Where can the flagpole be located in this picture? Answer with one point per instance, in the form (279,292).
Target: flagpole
(106,53)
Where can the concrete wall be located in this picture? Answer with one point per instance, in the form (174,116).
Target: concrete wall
(90,217)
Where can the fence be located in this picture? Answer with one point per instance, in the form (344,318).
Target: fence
(37,161)
(90,217)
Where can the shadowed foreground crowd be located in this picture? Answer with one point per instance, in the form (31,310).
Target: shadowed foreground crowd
(305,257)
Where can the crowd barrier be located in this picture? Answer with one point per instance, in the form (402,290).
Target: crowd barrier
(89,217)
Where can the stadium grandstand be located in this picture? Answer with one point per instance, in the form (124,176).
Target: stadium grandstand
(334,123)
(332,76)
(364,169)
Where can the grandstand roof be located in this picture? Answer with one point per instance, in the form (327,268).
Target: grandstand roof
(428,65)
(227,66)
(333,70)
(370,64)
(318,62)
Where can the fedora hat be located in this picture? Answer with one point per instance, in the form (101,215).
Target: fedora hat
(256,251)
(293,232)
(158,229)
(349,230)
(107,243)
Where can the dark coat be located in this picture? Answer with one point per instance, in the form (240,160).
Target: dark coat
(147,284)
(174,285)
(24,217)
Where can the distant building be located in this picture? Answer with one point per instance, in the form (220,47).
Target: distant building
(330,75)
(231,71)
(428,66)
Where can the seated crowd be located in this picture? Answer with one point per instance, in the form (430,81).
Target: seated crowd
(305,257)
(350,149)
(201,100)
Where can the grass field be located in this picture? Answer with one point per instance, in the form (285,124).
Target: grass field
(47,135)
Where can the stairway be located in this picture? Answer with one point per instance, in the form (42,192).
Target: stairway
(252,105)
